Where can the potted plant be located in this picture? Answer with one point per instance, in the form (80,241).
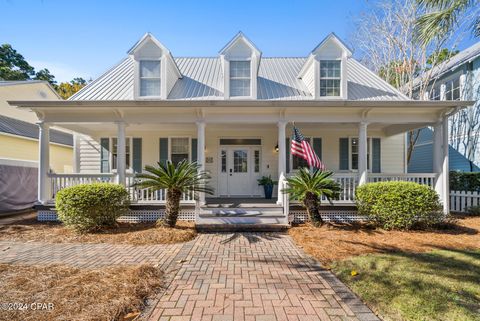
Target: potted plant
(267,182)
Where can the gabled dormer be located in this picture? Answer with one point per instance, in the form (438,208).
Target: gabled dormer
(325,71)
(240,61)
(155,70)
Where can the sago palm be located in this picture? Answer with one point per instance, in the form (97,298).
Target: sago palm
(308,187)
(442,17)
(177,180)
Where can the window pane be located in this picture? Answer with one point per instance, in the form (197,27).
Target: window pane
(149,87)
(177,158)
(329,87)
(330,68)
(179,145)
(240,69)
(240,163)
(150,68)
(239,87)
(114,152)
(224,161)
(257,161)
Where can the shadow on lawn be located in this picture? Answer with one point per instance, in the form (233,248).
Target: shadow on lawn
(251,237)
(418,285)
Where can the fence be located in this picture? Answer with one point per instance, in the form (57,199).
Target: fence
(461,201)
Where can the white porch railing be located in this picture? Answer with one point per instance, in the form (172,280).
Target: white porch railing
(144,195)
(420,178)
(461,201)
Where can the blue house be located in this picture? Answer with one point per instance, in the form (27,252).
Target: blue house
(456,79)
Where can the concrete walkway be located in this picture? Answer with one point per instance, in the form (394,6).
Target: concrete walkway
(240,276)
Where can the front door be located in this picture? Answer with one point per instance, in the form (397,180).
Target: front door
(239,170)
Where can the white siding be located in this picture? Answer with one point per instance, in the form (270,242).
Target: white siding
(309,79)
(393,153)
(89,155)
(171,76)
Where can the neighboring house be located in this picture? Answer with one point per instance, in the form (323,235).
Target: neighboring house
(233,114)
(19,144)
(456,79)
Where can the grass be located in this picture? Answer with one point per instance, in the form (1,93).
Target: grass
(404,275)
(123,233)
(437,285)
(77,294)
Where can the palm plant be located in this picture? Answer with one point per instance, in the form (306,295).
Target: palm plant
(443,15)
(308,187)
(177,180)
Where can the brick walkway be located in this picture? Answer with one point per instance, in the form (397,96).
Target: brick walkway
(241,276)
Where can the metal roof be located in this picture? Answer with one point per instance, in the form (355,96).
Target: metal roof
(203,80)
(456,61)
(21,128)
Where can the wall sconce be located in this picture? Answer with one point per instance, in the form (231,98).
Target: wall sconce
(276,148)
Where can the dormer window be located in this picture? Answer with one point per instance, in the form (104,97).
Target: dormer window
(240,79)
(150,78)
(330,77)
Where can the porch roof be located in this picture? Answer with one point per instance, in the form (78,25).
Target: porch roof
(394,116)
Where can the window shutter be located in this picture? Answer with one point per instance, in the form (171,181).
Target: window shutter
(163,150)
(194,150)
(376,158)
(137,155)
(317,146)
(287,153)
(344,157)
(104,155)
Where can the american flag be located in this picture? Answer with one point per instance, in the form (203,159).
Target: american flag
(301,148)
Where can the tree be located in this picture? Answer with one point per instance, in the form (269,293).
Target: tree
(177,180)
(444,16)
(13,65)
(440,56)
(67,89)
(308,187)
(45,75)
(385,40)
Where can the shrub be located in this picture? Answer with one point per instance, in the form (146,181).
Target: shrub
(465,181)
(474,210)
(399,205)
(89,207)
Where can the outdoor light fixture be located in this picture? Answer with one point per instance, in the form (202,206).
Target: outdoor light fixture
(276,148)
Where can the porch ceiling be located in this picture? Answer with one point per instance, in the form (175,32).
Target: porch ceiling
(92,116)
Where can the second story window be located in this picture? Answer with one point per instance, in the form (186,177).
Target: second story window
(452,89)
(240,78)
(330,76)
(150,78)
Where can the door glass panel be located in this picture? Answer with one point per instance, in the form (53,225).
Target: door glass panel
(257,161)
(240,161)
(224,161)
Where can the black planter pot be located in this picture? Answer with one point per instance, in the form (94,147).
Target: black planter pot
(268,189)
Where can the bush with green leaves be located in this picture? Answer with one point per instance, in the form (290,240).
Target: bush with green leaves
(465,181)
(90,207)
(399,205)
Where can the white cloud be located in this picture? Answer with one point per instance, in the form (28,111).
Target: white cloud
(61,71)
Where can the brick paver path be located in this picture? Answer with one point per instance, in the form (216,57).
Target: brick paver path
(240,276)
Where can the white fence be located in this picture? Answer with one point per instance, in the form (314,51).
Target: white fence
(461,201)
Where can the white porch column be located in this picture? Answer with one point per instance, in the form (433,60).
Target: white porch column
(121,154)
(438,157)
(445,168)
(43,161)
(201,153)
(282,158)
(362,153)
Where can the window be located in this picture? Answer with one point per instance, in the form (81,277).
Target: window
(239,78)
(224,161)
(257,160)
(128,150)
(330,75)
(240,161)
(298,162)
(354,153)
(435,93)
(180,149)
(150,78)
(452,90)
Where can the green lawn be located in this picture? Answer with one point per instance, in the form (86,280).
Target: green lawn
(438,285)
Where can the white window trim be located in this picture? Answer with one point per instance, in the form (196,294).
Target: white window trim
(341,94)
(189,147)
(369,152)
(110,158)
(138,78)
(249,60)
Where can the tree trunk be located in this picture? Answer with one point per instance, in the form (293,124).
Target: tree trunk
(312,206)
(172,207)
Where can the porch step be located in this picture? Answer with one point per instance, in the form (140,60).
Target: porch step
(241,227)
(241,219)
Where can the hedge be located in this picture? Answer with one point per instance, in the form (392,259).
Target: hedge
(399,205)
(465,181)
(89,207)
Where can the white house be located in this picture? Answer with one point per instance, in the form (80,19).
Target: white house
(233,114)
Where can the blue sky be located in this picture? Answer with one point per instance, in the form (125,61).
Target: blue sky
(85,38)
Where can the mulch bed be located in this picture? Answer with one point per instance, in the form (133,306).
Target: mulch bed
(333,242)
(123,233)
(58,292)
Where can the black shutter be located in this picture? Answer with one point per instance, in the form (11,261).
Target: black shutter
(317,146)
(137,155)
(287,153)
(194,150)
(163,150)
(376,155)
(344,157)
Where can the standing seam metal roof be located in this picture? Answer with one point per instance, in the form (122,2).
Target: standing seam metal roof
(203,80)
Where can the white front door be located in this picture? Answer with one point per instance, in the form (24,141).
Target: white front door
(239,171)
